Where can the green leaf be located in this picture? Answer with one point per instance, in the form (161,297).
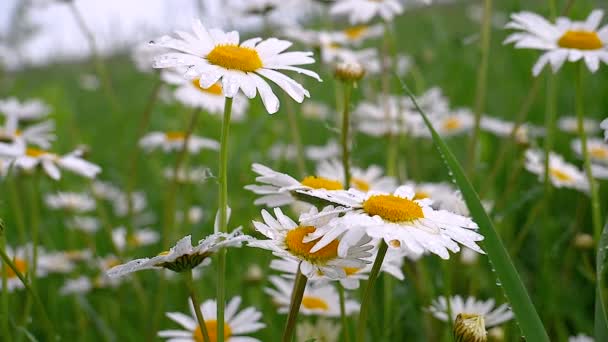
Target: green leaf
(601,320)
(529,322)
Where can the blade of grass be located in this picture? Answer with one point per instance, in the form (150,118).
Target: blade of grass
(601,320)
(529,322)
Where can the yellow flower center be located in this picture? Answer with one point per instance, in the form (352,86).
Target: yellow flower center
(294,243)
(560,175)
(21,266)
(355,31)
(351,270)
(175,135)
(211,326)
(598,152)
(312,303)
(215,89)
(421,195)
(360,184)
(452,124)
(580,40)
(34,152)
(234,57)
(322,183)
(393,208)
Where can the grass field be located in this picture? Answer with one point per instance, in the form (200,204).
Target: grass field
(540,229)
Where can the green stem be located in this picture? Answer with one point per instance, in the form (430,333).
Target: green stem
(482,79)
(388,306)
(550,128)
(292,119)
(223,227)
(6,334)
(297,294)
(17,208)
(196,305)
(595,200)
(345,133)
(345,329)
(365,302)
(447,292)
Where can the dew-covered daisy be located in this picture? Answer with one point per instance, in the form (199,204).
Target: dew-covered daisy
(236,323)
(371,178)
(597,149)
(330,150)
(443,195)
(138,238)
(51,163)
(492,316)
(318,300)
(363,11)
(216,56)
(400,220)
(323,330)
(566,40)
(174,141)
(74,202)
(211,99)
(285,240)
(562,173)
(569,124)
(183,256)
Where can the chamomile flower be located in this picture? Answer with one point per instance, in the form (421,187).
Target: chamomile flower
(369,179)
(315,110)
(30,158)
(382,117)
(580,338)
(87,224)
(281,151)
(22,258)
(139,238)
(80,285)
(143,55)
(174,141)
(40,134)
(604,126)
(192,175)
(443,195)
(215,56)
(318,300)
(569,124)
(597,149)
(323,330)
(562,173)
(236,323)
(566,40)
(285,240)
(355,35)
(330,150)
(599,171)
(503,128)
(492,316)
(363,11)
(211,99)
(16,111)
(70,201)
(400,220)
(453,123)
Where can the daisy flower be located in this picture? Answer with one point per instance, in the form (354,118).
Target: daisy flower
(70,201)
(322,330)
(30,158)
(318,300)
(599,171)
(566,40)
(596,148)
(449,124)
(443,195)
(357,34)
(236,323)
(174,141)
(503,129)
(604,126)
(190,175)
(87,224)
(580,338)
(385,116)
(80,285)
(363,11)
(211,99)
(40,134)
(330,150)
(492,316)
(315,110)
(143,54)
(365,180)
(285,240)
(281,151)
(562,173)
(400,220)
(216,56)
(569,124)
(139,238)
(16,111)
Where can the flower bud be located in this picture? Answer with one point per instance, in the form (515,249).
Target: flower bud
(470,328)
(349,71)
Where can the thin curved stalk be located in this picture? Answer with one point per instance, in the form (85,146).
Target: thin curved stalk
(196,305)
(344,318)
(348,86)
(297,294)
(365,302)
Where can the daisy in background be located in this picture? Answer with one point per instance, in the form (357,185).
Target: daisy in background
(443,196)
(138,238)
(503,129)
(87,224)
(236,323)
(281,151)
(370,179)
(400,220)
(70,201)
(604,126)
(171,141)
(472,309)
(330,150)
(316,110)
(40,134)
(569,124)
(31,158)
(363,11)
(211,99)
(143,54)
(581,338)
(596,148)
(356,35)
(385,116)
(318,300)
(447,124)
(285,239)
(323,330)
(216,56)
(15,111)
(191,175)
(562,173)
(566,40)
(599,171)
